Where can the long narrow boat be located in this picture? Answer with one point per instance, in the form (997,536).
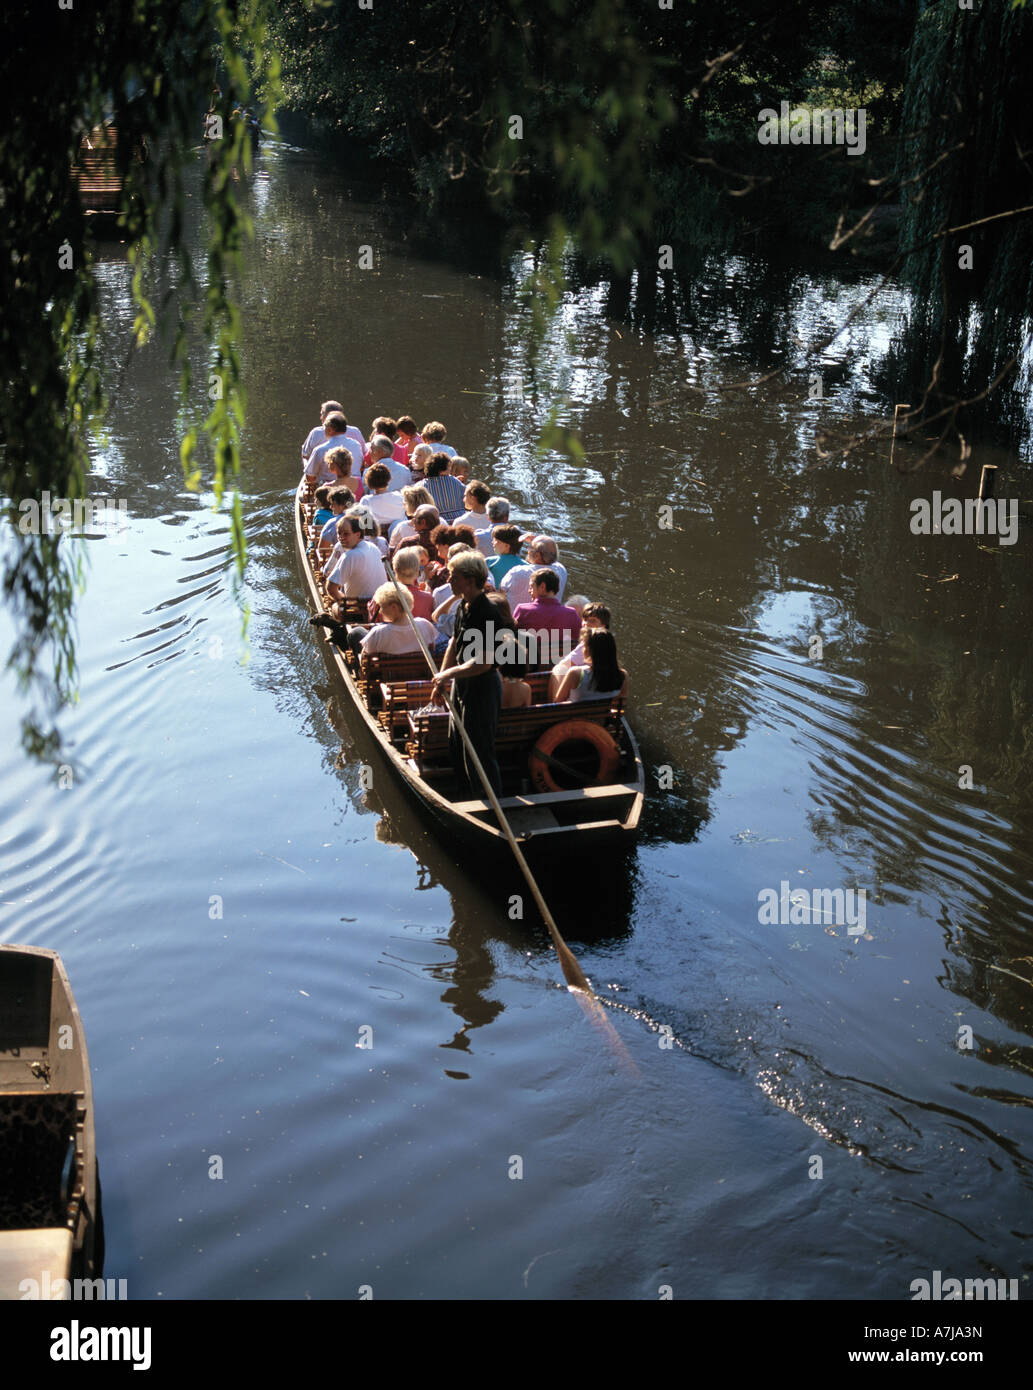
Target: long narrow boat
(48,1160)
(388,695)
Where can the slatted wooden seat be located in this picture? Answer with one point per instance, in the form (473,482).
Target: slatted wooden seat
(398,698)
(96,172)
(518,732)
(379,669)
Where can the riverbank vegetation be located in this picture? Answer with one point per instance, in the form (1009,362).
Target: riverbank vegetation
(629,128)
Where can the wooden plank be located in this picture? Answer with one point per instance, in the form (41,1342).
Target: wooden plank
(473,808)
(582,828)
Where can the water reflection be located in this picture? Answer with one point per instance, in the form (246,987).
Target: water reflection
(842,768)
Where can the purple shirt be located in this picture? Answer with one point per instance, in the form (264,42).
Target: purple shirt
(548,615)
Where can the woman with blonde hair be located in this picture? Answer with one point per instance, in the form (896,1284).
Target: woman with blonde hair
(393,633)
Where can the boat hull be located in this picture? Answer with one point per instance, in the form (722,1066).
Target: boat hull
(547,825)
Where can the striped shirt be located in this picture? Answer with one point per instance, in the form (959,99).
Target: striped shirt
(448,494)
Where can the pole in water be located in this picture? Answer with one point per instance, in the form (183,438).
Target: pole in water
(893,442)
(987,481)
(572,972)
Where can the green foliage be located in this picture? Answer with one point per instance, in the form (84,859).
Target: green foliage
(967,128)
(145,67)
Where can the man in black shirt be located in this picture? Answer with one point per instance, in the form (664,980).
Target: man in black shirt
(478,687)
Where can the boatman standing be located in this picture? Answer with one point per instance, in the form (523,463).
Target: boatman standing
(477,691)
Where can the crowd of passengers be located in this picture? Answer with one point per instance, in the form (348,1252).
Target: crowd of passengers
(467,576)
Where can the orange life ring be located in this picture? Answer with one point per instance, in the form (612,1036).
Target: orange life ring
(573,731)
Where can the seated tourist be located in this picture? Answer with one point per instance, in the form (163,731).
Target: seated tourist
(317,435)
(386,506)
(579,603)
(424,554)
(393,635)
(441,538)
(381,450)
(601,677)
(413,496)
(418,460)
(460,468)
(542,552)
(505,542)
(460,542)
(406,571)
(446,491)
(341,498)
(355,570)
(369,526)
(443,598)
(335,427)
(444,615)
(424,522)
(593,617)
(434,435)
(556,626)
(476,499)
(322,513)
(408,436)
(384,424)
(342,465)
(516,693)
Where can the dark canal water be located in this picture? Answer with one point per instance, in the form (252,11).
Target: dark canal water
(759,1048)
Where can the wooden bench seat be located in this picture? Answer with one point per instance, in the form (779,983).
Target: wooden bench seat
(378,669)
(399,698)
(519,730)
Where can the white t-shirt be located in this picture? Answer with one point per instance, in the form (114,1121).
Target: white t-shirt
(385,506)
(576,657)
(517,583)
(398,638)
(359,572)
(401,476)
(316,436)
(440,594)
(481,527)
(317,459)
(441,448)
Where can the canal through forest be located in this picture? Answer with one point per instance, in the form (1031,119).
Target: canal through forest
(816,1110)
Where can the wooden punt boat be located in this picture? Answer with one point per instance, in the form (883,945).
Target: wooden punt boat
(386,694)
(49,1191)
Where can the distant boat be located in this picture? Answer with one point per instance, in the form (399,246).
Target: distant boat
(598,813)
(99,178)
(49,1191)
